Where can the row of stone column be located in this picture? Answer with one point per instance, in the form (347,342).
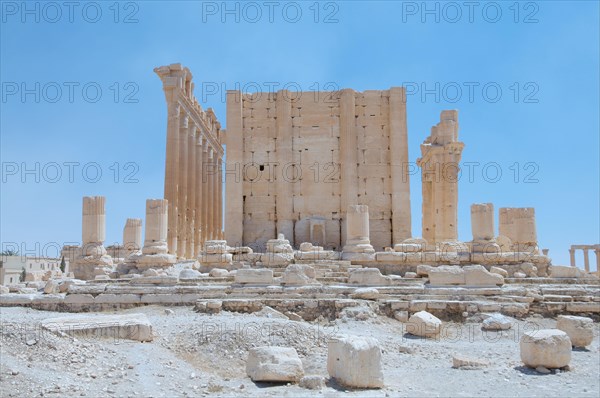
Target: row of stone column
(193,177)
(586,257)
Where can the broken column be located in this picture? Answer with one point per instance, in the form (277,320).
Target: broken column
(92,258)
(357,232)
(482,227)
(155,250)
(132,236)
(441,153)
(518,224)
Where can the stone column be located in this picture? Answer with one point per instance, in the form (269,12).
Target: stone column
(357,230)
(482,221)
(284,205)
(597,251)
(572,255)
(205,191)
(220,198)
(92,257)
(441,153)
(348,154)
(182,188)
(191,192)
(94,222)
(156,226)
(172,171)
(215,195)
(586,260)
(155,250)
(401,216)
(132,235)
(198,227)
(518,224)
(210,183)
(234,140)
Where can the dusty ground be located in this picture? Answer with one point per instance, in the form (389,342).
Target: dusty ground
(200,355)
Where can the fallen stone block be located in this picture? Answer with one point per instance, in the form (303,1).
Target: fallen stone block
(549,348)
(275,364)
(218,273)
(128,326)
(424,324)
(312,382)
(254,276)
(497,322)
(299,274)
(423,270)
(189,274)
(446,275)
(366,293)
(460,361)
(477,275)
(367,277)
(561,271)
(579,329)
(499,271)
(355,361)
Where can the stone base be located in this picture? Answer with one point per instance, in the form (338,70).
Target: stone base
(146,261)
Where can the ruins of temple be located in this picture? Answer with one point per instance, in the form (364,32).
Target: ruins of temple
(317,225)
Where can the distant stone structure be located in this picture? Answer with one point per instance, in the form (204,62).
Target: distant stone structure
(586,258)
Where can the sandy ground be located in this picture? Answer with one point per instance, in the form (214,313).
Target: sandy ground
(201,355)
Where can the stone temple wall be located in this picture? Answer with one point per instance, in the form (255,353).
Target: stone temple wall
(296,160)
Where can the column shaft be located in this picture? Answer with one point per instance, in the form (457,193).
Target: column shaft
(572,255)
(191,192)
(586,260)
(198,197)
(171,172)
(182,187)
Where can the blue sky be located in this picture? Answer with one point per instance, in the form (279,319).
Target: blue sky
(543,56)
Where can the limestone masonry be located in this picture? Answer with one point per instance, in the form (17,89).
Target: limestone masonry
(317,229)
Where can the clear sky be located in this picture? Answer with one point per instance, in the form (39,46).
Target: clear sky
(79,97)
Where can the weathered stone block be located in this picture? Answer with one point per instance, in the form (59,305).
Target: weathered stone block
(355,361)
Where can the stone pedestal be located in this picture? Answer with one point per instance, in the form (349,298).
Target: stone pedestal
(91,258)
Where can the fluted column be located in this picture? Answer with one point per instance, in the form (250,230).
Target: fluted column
(219,198)
(205,190)
(209,173)
(182,187)
(156,226)
(586,260)
(93,229)
(198,227)
(214,211)
(172,171)
(191,192)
